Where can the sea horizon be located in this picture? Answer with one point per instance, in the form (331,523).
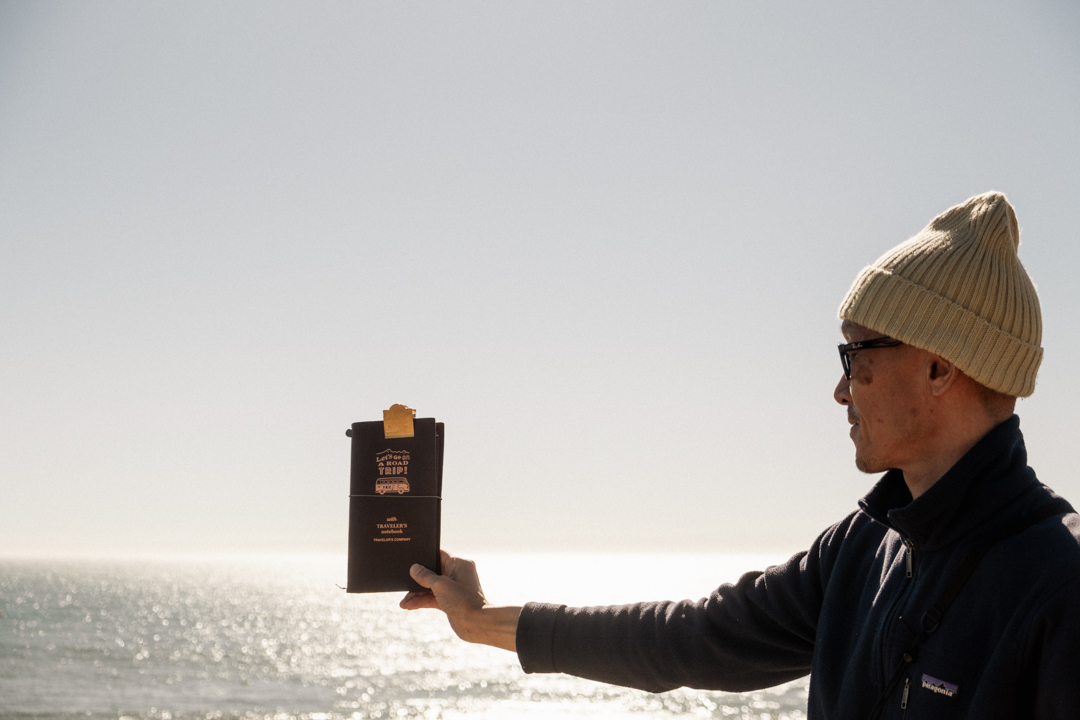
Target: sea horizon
(273,636)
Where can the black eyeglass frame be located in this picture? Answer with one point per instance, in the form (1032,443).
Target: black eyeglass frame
(848,349)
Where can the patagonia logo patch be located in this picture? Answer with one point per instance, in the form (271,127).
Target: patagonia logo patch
(939,686)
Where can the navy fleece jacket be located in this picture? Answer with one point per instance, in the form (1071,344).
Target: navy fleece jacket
(846,609)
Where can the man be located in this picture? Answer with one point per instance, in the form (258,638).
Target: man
(954,590)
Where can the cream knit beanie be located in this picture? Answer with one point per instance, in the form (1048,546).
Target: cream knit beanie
(958,290)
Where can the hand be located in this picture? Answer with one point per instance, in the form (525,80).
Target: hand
(457,593)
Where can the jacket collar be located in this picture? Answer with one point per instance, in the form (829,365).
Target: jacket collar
(980,489)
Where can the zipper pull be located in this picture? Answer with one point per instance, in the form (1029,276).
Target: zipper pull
(909,549)
(907,689)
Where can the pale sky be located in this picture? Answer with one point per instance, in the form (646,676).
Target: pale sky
(604,242)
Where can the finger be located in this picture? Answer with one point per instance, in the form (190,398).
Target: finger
(423,576)
(417,600)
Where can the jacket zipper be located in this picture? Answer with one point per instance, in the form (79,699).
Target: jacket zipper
(909,552)
(898,601)
(886,664)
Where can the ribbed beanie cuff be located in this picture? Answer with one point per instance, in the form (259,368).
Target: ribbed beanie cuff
(957,289)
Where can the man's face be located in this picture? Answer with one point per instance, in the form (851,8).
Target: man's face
(884,400)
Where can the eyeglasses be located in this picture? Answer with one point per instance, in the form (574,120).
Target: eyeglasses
(846,351)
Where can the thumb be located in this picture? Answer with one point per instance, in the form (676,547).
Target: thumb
(423,576)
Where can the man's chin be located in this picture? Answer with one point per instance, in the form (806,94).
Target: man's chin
(867,464)
(863,461)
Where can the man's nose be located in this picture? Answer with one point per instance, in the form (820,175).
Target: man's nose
(842,393)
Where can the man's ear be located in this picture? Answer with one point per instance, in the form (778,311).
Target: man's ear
(940,373)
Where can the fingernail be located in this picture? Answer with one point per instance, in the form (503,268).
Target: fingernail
(415,569)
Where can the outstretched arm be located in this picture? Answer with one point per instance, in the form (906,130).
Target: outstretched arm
(457,593)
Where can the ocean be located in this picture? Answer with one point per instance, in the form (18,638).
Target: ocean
(219,638)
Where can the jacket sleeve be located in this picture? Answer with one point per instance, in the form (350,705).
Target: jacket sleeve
(756,633)
(1056,669)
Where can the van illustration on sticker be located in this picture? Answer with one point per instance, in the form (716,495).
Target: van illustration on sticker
(393,471)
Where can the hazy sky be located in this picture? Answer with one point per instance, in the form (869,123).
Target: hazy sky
(604,242)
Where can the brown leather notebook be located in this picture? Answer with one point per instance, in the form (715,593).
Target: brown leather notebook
(394,505)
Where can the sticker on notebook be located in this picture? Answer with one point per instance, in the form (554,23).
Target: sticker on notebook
(393,472)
